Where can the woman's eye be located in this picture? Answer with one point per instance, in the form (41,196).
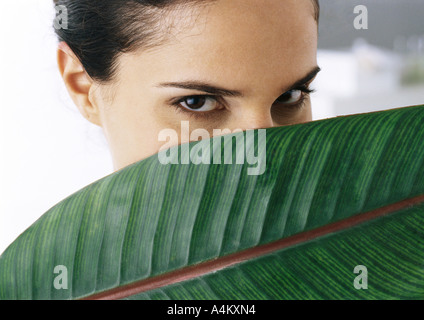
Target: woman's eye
(291,97)
(199,103)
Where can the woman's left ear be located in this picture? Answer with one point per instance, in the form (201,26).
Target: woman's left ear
(78,83)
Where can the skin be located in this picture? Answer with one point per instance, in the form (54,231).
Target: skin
(259,48)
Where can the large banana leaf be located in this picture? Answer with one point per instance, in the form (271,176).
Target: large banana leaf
(336,194)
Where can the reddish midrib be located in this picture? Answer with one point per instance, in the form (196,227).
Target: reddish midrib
(232,259)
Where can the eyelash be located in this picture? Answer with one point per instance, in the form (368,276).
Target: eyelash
(306,92)
(197,115)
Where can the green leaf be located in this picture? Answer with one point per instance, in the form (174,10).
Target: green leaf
(336,194)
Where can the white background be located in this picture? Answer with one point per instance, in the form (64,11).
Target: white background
(47,150)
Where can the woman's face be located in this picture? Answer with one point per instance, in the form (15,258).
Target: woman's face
(230,65)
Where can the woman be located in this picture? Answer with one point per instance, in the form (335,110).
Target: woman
(137,67)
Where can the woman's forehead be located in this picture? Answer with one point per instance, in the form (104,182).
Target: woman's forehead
(238,41)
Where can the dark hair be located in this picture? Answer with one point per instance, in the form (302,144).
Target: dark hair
(98,31)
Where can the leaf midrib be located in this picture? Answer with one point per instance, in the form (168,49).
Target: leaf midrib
(217,264)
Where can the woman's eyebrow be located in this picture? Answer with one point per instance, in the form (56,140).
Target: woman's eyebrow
(311,75)
(211,89)
(202,86)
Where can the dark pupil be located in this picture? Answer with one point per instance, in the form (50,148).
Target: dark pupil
(195,102)
(286,96)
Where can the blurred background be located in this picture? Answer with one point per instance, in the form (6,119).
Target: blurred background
(372,69)
(48,151)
